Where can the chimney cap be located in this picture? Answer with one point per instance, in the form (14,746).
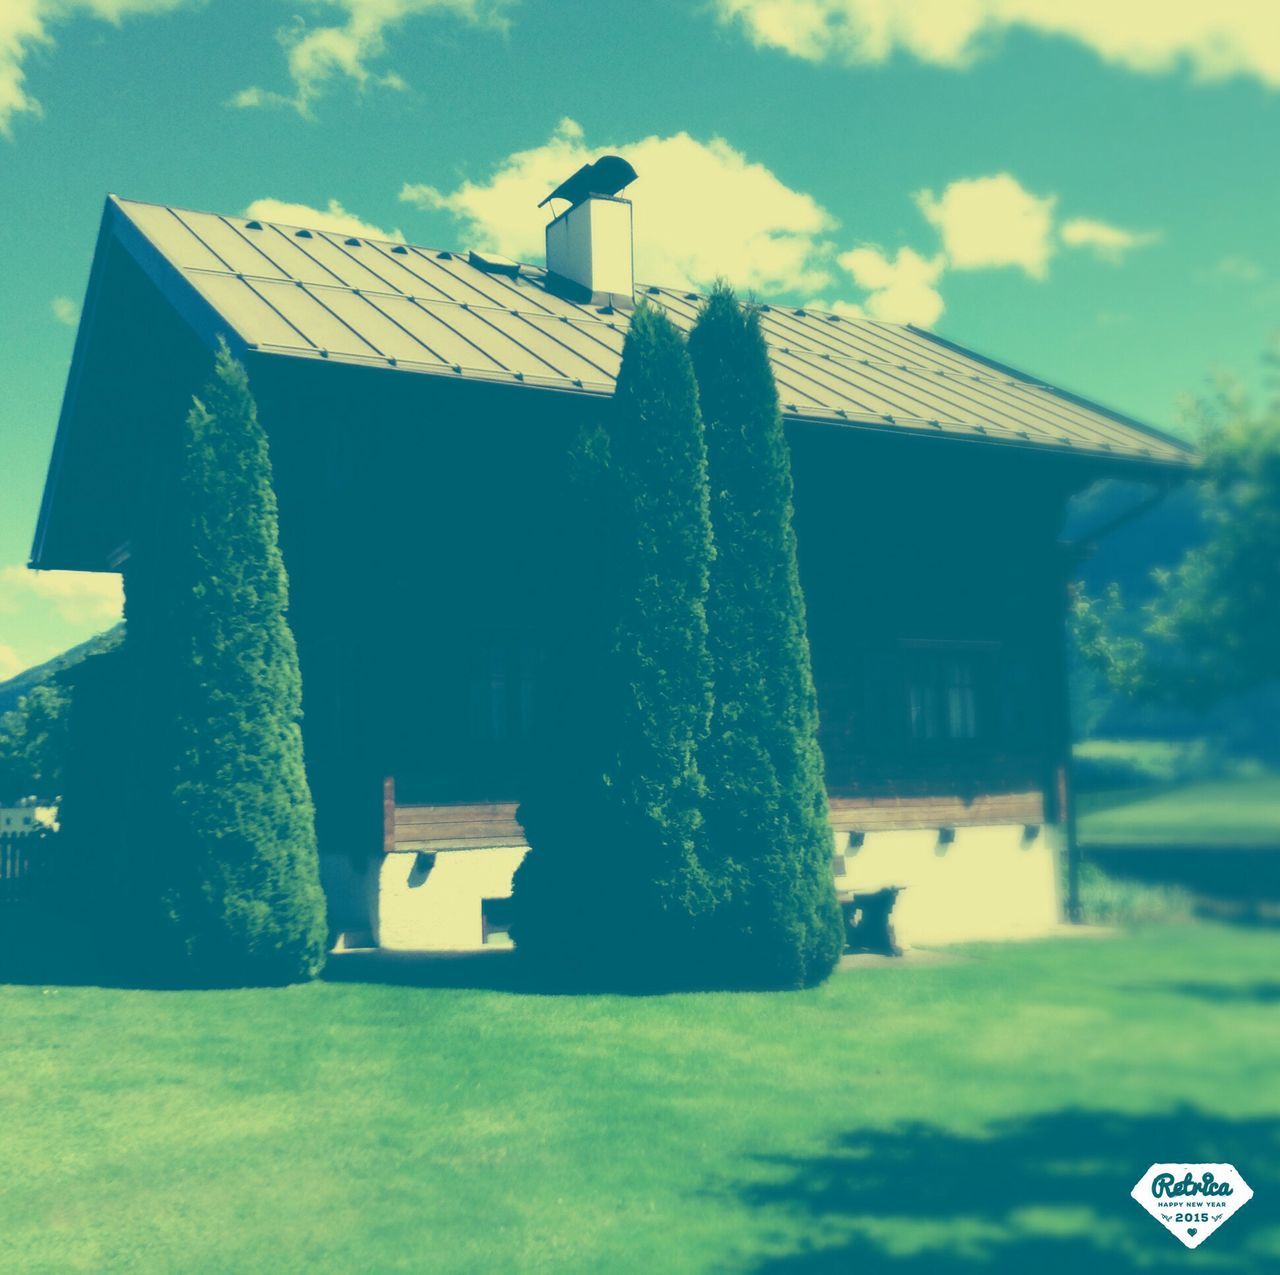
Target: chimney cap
(608,175)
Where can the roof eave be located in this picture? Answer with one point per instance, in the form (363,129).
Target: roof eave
(1167,439)
(70,394)
(206,322)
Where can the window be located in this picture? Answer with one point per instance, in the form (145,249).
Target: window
(502,690)
(946,686)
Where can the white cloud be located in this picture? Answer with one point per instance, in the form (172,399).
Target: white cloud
(989,222)
(1242,269)
(702,209)
(1109,242)
(334,217)
(11,663)
(76,597)
(1213,40)
(846,309)
(351,47)
(901,288)
(65,311)
(24,26)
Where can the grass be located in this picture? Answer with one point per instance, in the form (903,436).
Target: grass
(1106,899)
(987,1115)
(1227,812)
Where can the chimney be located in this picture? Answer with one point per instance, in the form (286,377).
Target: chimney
(589,245)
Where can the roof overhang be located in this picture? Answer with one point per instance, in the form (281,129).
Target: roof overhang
(313,296)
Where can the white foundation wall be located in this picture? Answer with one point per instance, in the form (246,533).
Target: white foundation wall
(439,910)
(993,881)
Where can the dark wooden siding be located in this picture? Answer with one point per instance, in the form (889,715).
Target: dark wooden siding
(426,522)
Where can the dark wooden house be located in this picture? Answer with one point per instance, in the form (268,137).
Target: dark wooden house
(419,403)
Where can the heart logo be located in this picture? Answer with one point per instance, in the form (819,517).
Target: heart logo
(1202,1194)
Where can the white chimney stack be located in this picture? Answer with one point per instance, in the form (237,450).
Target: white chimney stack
(589,245)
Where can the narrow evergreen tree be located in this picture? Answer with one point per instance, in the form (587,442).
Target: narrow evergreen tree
(767,811)
(231,852)
(614,879)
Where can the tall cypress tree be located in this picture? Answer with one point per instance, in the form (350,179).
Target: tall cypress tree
(232,846)
(767,814)
(614,877)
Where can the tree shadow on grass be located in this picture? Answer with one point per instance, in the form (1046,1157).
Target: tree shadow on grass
(1264,993)
(496,971)
(1029,1197)
(500,970)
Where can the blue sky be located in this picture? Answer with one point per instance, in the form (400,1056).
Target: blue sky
(1086,191)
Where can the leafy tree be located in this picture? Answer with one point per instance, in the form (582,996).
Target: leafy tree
(34,731)
(1215,622)
(232,850)
(614,878)
(768,829)
(33,744)
(1213,627)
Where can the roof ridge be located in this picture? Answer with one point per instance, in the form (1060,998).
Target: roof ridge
(691,292)
(348,297)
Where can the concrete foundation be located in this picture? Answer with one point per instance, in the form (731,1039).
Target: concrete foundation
(997,881)
(431,902)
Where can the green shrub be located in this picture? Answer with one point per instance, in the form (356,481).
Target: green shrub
(770,842)
(228,856)
(613,886)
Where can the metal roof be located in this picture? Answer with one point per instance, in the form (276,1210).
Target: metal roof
(312,293)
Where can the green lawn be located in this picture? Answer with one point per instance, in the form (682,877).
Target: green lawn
(989,1114)
(1233,812)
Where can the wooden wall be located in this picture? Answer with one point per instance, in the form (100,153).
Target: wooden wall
(426,522)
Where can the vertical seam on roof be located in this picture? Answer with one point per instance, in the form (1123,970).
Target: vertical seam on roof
(498,282)
(199,238)
(342,248)
(1026,394)
(409,260)
(528,295)
(994,405)
(230,268)
(676,305)
(1169,441)
(364,340)
(806,368)
(564,345)
(311,257)
(801,394)
(413,336)
(413,274)
(998,396)
(466,340)
(882,378)
(586,332)
(896,350)
(963,404)
(287,275)
(479,314)
(784,324)
(1050,407)
(436,264)
(284,318)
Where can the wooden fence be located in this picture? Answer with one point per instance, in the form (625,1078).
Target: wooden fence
(23,856)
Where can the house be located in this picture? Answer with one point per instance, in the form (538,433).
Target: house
(419,404)
(21,821)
